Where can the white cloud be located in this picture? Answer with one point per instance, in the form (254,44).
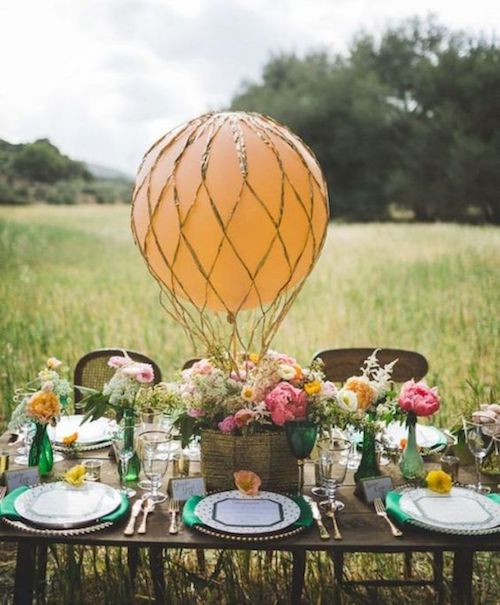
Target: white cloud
(104,78)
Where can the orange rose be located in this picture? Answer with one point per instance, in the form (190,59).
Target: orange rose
(365,392)
(69,439)
(247,482)
(43,406)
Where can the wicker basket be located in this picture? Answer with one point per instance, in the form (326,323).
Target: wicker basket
(266,454)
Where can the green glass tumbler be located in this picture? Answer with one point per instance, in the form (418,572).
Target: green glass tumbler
(301,436)
(41,453)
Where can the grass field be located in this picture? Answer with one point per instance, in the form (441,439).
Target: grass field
(71,280)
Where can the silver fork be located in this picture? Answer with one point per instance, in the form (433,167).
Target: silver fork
(381,512)
(173,509)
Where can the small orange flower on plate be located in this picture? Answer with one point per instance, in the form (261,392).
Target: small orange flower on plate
(70,439)
(247,482)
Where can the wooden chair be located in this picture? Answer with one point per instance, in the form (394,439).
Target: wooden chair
(339,365)
(92,369)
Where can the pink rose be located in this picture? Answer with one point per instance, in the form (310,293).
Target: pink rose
(118,361)
(227,425)
(286,402)
(243,417)
(195,413)
(418,398)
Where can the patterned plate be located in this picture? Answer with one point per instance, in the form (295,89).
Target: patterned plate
(461,511)
(233,512)
(61,506)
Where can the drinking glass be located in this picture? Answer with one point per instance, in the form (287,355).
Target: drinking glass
(301,436)
(354,458)
(332,472)
(150,420)
(124,450)
(28,432)
(155,455)
(479,438)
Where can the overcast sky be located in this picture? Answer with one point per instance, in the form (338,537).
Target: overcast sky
(104,78)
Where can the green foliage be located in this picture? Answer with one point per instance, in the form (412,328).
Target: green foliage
(410,120)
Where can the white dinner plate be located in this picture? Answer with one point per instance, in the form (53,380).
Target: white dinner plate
(60,505)
(428,437)
(89,433)
(235,513)
(460,511)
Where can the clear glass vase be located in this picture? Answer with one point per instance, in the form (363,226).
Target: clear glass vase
(412,463)
(41,453)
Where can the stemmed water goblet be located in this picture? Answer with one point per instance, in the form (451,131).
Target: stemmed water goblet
(332,472)
(301,436)
(155,455)
(124,450)
(27,429)
(479,438)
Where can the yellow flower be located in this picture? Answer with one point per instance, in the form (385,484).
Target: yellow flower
(439,481)
(43,406)
(312,388)
(254,357)
(75,476)
(69,439)
(365,392)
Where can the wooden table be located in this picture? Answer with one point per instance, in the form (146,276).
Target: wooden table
(362,531)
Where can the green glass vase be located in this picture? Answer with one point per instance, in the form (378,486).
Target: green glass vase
(134,464)
(41,453)
(412,463)
(368,466)
(301,436)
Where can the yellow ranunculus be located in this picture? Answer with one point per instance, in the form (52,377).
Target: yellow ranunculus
(439,481)
(75,476)
(312,388)
(254,357)
(69,439)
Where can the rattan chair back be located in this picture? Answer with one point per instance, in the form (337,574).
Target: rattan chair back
(92,369)
(341,364)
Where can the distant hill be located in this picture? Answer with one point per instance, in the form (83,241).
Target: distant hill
(39,172)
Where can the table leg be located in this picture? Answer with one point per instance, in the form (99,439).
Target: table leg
(157,575)
(298,570)
(41,572)
(25,574)
(133,562)
(462,577)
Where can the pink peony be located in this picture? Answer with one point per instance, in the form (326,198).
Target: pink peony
(418,398)
(243,417)
(285,402)
(227,425)
(118,361)
(195,413)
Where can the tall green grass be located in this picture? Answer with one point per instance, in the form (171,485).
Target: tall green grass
(71,281)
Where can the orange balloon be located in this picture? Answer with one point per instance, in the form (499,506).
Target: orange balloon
(230,210)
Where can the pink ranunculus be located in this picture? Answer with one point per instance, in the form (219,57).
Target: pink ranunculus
(202,367)
(195,413)
(243,417)
(418,398)
(286,402)
(118,361)
(142,372)
(227,425)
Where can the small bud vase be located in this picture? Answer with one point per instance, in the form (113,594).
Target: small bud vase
(412,463)
(368,466)
(41,453)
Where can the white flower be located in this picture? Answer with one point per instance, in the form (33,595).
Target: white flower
(347,400)
(286,372)
(48,385)
(53,363)
(382,410)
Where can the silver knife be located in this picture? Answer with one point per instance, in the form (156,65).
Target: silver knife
(323,532)
(136,509)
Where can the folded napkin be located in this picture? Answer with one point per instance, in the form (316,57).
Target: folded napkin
(8,510)
(392,505)
(190,519)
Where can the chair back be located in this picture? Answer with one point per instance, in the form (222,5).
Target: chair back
(190,363)
(341,364)
(92,369)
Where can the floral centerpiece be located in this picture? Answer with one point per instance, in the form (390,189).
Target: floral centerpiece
(120,394)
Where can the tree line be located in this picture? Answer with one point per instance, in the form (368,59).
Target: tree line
(404,125)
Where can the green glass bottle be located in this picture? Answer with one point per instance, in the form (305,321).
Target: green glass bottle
(412,463)
(368,466)
(41,453)
(134,465)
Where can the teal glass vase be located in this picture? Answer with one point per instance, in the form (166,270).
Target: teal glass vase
(41,453)
(368,466)
(301,436)
(412,463)
(134,464)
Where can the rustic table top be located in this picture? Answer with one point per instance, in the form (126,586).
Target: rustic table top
(361,528)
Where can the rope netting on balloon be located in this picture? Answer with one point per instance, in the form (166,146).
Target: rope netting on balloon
(228,300)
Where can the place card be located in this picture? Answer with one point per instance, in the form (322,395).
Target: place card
(185,487)
(375,487)
(251,512)
(27,477)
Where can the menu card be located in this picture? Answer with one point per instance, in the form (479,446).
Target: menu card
(251,512)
